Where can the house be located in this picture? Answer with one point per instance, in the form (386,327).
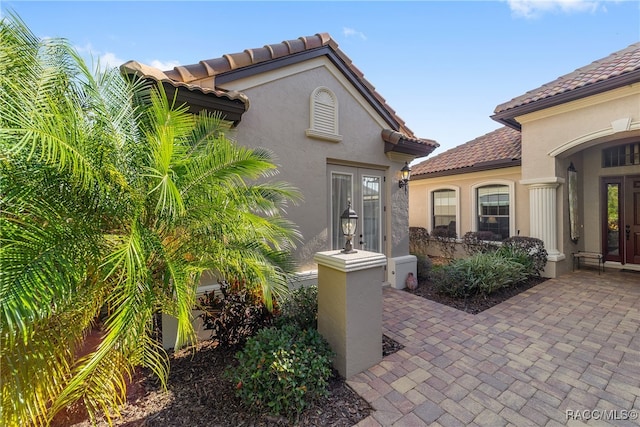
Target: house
(565,168)
(334,137)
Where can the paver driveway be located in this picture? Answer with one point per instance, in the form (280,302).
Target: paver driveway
(558,354)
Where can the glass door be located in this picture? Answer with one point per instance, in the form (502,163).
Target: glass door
(631,230)
(364,188)
(612,218)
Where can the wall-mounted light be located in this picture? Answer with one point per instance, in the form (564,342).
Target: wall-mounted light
(349,223)
(406,174)
(572,180)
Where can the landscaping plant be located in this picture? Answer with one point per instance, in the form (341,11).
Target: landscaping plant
(234,314)
(281,370)
(446,241)
(114,201)
(482,273)
(479,241)
(300,308)
(530,248)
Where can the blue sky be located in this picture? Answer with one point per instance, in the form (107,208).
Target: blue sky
(443,66)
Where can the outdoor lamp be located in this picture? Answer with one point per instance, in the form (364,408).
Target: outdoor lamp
(349,223)
(406,174)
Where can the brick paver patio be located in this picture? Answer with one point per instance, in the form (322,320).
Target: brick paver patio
(557,354)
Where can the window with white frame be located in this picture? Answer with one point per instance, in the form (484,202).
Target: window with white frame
(444,208)
(324,115)
(493,210)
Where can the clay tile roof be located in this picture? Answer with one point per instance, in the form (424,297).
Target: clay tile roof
(206,70)
(614,66)
(204,73)
(499,148)
(145,71)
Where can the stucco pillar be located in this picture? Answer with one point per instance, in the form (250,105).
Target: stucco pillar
(544,214)
(350,307)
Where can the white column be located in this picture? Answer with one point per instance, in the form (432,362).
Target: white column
(544,214)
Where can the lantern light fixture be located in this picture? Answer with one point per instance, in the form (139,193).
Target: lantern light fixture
(405,176)
(349,223)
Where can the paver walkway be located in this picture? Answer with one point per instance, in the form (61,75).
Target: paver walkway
(557,354)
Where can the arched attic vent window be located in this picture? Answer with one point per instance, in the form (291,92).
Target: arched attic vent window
(324,116)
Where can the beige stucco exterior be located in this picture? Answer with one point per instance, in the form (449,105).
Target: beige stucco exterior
(574,132)
(420,191)
(277,119)
(577,132)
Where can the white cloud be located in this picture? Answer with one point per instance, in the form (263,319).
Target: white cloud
(537,8)
(110,60)
(350,32)
(164,65)
(94,57)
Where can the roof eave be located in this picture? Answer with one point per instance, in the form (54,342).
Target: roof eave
(231,110)
(230,105)
(508,117)
(501,164)
(412,148)
(397,142)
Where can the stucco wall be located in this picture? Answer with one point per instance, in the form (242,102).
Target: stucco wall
(582,123)
(277,119)
(420,202)
(576,132)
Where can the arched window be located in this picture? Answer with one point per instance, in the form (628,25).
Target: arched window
(493,209)
(324,115)
(445,210)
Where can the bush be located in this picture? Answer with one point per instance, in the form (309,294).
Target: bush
(418,240)
(534,250)
(236,316)
(423,265)
(446,240)
(300,308)
(475,242)
(479,274)
(281,370)
(451,281)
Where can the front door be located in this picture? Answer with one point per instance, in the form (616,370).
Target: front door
(632,220)
(365,189)
(621,219)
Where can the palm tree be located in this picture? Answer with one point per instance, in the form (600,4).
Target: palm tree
(113,202)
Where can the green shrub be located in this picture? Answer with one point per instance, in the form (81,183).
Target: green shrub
(300,308)
(518,255)
(235,315)
(482,273)
(423,265)
(533,248)
(281,369)
(451,281)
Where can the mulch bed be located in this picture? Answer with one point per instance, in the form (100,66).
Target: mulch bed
(477,303)
(198,395)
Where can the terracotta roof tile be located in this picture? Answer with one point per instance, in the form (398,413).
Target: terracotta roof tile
(211,67)
(204,72)
(617,64)
(145,71)
(499,147)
